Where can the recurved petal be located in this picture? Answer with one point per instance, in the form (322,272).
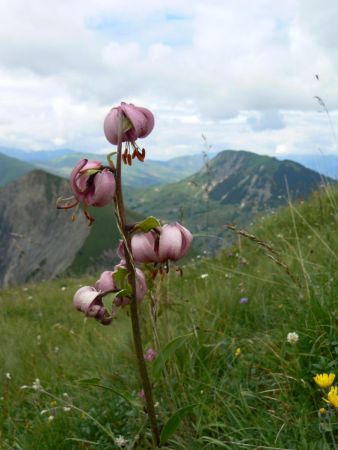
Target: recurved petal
(105,283)
(148,123)
(103,190)
(141,285)
(143,247)
(136,118)
(84,297)
(186,239)
(90,165)
(110,125)
(170,245)
(77,191)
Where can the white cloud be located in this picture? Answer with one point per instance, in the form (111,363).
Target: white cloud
(241,72)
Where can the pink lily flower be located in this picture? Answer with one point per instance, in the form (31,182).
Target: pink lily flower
(175,241)
(170,242)
(92,184)
(137,122)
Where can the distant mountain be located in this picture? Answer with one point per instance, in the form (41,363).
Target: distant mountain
(29,156)
(238,186)
(39,242)
(325,164)
(12,169)
(149,173)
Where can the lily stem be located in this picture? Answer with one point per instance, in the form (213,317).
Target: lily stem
(121,217)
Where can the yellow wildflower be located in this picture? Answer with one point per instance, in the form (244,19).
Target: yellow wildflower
(332,396)
(237,352)
(322,411)
(324,380)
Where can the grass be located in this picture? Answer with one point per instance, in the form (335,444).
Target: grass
(264,398)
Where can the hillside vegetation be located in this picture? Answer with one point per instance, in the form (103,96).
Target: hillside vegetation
(236,186)
(259,397)
(12,169)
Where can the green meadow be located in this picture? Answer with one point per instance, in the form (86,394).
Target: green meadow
(68,382)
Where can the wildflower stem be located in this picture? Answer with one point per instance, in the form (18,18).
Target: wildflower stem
(121,215)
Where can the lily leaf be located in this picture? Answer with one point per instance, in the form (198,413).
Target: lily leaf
(166,352)
(147,224)
(172,424)
(120,277)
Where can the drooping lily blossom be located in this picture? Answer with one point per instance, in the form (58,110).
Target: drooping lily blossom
(143,247)
(92,184)
(89,301)
(106,284)
(170,242)
(174,242)
(137,122)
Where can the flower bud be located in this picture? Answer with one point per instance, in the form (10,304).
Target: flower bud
(137,122)
(169,242)
(174,242)
(143,247)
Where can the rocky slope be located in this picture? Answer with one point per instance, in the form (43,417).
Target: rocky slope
(37,241)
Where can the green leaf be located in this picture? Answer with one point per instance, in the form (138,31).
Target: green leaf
(167,351)
(172,424)
(89,172)
(120,277)
(124,292)
(147,224)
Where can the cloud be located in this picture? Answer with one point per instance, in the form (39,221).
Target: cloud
(236,71)
(267,120)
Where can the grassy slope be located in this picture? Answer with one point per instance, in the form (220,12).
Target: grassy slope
(264,397)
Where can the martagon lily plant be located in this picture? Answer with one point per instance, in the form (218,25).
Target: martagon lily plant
(148,241)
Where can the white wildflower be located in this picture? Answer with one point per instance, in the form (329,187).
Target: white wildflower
(292,338)
(50,419)
(63,288)
(66,408)
(8,376)
(24,386)
(121,441)
(204,275)
(44,411)
(36,384)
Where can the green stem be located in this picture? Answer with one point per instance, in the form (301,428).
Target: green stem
(121,214)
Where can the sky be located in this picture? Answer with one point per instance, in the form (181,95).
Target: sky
(244,73)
